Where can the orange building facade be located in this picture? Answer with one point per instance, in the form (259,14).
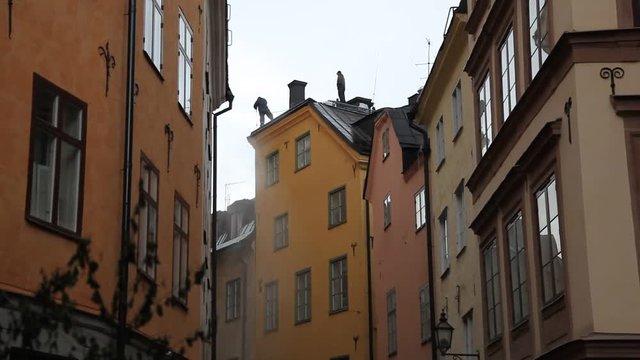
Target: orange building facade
(63,81)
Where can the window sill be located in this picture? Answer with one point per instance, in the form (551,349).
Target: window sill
(420,228)
(461,251)
(425,341)
(272,184)
(157,71)
(336,225)
(553,306)
(302,322)
(457,134)
(384,157)
(54,229)
(520,328)
(302,168)
(334,312)
(275,249)
(232,320)
(494,345)
(445,273)
(270,331)
(440,165)
(177,302)
(186,116)
(392,354)
(143,274)
(386,226)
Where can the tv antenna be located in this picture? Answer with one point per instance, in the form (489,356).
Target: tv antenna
(428,63)
(227,194)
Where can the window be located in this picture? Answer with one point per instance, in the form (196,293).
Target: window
(550,242)
(456,102)
(484,110)
(303,296)
(303,151)
(425,314)
(185,64)
(518,272)
(148,224)
(440,141)
(421,211)
(385,143)
(58,125)
(467,329)
(271,306)
(444,243)
(281,231)
(338,283)
(492,288)
(508,68)
(539,33)
(153,12)
(461,219)
(343,357)
(387,210)
(635,9)
(233,300)
(392,330)
(180,248)
(273,167)
(337,207)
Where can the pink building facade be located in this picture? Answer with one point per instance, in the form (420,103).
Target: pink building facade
(395,191)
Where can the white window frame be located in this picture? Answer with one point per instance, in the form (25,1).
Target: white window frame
(456,107)
(385,144)
(461,218)
(444,242)
(387,210)
(421,208)
(153,31)
(271,306)
(338,285)
(550,241)
(539,48)
(180,249)
(281,231)
(303,151)
(233,298)
(303,296)
(185,64)
(337,207)
(519,294)
(425,313)
(392,323)
(148,222)
(273,168)
(485,115)
(508,74)
(493,302)
(440,153)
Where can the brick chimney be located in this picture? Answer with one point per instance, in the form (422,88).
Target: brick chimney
(296,92)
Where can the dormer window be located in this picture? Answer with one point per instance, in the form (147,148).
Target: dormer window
(385,143)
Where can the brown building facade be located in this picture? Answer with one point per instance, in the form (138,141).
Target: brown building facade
(63,82)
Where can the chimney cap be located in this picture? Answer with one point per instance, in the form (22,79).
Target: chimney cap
(297,83)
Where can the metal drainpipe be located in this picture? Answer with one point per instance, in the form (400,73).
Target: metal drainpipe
(369,300)
(432,311)
(214,231)
(123,265)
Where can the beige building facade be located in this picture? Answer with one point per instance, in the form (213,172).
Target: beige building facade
(554,181)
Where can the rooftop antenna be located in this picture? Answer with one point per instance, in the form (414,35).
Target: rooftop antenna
(227,194)
(428,63)
(375,79)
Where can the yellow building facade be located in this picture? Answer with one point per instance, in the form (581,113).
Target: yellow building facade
(311,252)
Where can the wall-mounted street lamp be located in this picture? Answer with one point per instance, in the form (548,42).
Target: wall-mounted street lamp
(443,333)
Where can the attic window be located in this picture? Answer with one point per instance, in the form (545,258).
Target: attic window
(385,144)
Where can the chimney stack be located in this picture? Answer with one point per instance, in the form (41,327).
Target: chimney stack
(296,92)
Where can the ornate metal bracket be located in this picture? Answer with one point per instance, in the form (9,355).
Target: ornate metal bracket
(10,3)
(169,133)
(355,341)
(353,247)
(567,111)
(609,73)
(196,171)
(109,62)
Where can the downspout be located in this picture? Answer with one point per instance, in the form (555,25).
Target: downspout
(369,295)
(214,270)
(432,311)
(123,265)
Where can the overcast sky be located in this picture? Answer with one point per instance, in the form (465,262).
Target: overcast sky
(377,44)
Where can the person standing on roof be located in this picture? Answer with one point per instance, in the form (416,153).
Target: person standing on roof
(263,109)
(340,86)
